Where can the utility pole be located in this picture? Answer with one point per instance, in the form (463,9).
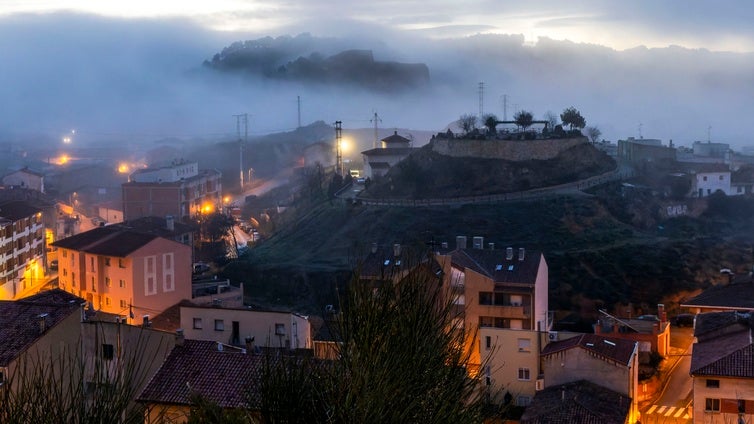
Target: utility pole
(709,134)
(298,102)
(338,152)
(481,99)
(244,117)
(505,107)
(376,120)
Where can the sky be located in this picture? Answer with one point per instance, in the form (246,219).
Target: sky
(681,70)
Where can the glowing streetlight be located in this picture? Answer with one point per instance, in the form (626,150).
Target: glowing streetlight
(123,168)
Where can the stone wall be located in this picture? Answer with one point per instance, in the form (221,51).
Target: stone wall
(513,150)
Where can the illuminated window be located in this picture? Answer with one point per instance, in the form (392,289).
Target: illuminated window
(524,345)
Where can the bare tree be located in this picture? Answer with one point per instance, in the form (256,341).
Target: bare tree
(467,123)
(552,120)
(593,133)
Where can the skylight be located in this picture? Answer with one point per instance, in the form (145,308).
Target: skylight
(498,267)
(510,267)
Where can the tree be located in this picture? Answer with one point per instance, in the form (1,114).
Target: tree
(467,123)
(219,227)
(593,133)
(552,120)
(523,119)
(490,121)
(400,358)
(572,117)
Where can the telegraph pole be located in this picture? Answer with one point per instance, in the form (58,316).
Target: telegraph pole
(505,107)
(244,117)
(376,119)
(338,151)
(481,99)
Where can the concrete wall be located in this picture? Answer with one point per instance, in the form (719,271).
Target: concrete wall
(514,150)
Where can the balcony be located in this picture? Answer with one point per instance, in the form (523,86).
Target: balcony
(506,311)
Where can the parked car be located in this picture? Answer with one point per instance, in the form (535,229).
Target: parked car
(683,320)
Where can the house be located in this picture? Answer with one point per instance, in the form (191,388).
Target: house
(735,295)
(224,375)
(378,161)
(233,326)
(651,331)
(578,402)
(610,363)
(710,178)
(25,178)
(22,250)
(643,150)
(502,295)
(35,328)
(180,190)
(722,367)
(125,272)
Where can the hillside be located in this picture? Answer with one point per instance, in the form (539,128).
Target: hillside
(428,174)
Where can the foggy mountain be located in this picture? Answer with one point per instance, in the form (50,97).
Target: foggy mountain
(140,80)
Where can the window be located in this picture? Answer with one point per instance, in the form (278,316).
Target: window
(279,329)
(123,304)
(107,352)
(713,384)
(65,253)
(485,298)
(108,282)
(107,301)
(94,286)
(197,323)
(487,342)
(107,261)
(121,263)
(219,325)
(741,406)
(524,374)
(65,272)
(704,178)
(524,345)
(721,177)
(523,401)
(91,263)
(73,279)
(122,284)
(711,405)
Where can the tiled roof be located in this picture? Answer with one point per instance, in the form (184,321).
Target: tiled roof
(156,225)
(724,347)
(395,138)
(578,402)
(493,264)
(618,350)
(225,377)
(17,209)
(19,320)
(737,295)
(107,241)
(389,151)
(714,324)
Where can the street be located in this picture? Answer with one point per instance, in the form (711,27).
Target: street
(674,404)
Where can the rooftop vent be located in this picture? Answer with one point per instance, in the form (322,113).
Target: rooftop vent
(478,242)
(491,246)
(521,253)
(460,242)
(508,253)
(42,322)
(397,249)
(444,245)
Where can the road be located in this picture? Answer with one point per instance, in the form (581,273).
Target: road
(674,404)
(261,187)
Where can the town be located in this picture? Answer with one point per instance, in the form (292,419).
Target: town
(374,272)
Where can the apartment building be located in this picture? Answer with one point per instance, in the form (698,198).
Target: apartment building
(22,250)
(125,272)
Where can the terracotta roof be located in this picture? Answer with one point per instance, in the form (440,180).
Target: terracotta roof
(724,345)
(737,295)
(107,241)
(19,320)
(395,138)
(493,264)
(17,209)
(618,350)
(226,377)
(578,402)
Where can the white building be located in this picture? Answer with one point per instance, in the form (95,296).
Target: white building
(22,250)
(709,178)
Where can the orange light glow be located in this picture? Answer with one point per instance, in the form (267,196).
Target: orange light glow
(63,159)
(208,208)
(123,168)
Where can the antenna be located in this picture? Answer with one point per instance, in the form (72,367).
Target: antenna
(338,152)
(481,99)
(505,106)
(376,120)
(640,125)
(239,118)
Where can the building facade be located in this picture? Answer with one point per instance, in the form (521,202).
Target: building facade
(125,272)
(181,190)
(22,250)
(25,178)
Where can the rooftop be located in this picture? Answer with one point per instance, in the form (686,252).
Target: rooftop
(155,225)
(577,402)
(618,350)
(498,265)
(19,320)
(15,210)
(724,347)
(389,151)
(107,241)
(737,295)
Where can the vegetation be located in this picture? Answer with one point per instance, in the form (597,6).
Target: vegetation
(490,121)
(523,119)
(467,123)
(572,117)
(594,134)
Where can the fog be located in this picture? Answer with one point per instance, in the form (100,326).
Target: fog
(116,81)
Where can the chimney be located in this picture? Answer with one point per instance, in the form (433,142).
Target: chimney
(444,245)
(491,246)
(478,242)
(521,253)
(508,253)
(249,345)
(145,321)
(374,247)
(397,249)
(170,223)
(661,312)
(179,338)
(42,322)
(460,242)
